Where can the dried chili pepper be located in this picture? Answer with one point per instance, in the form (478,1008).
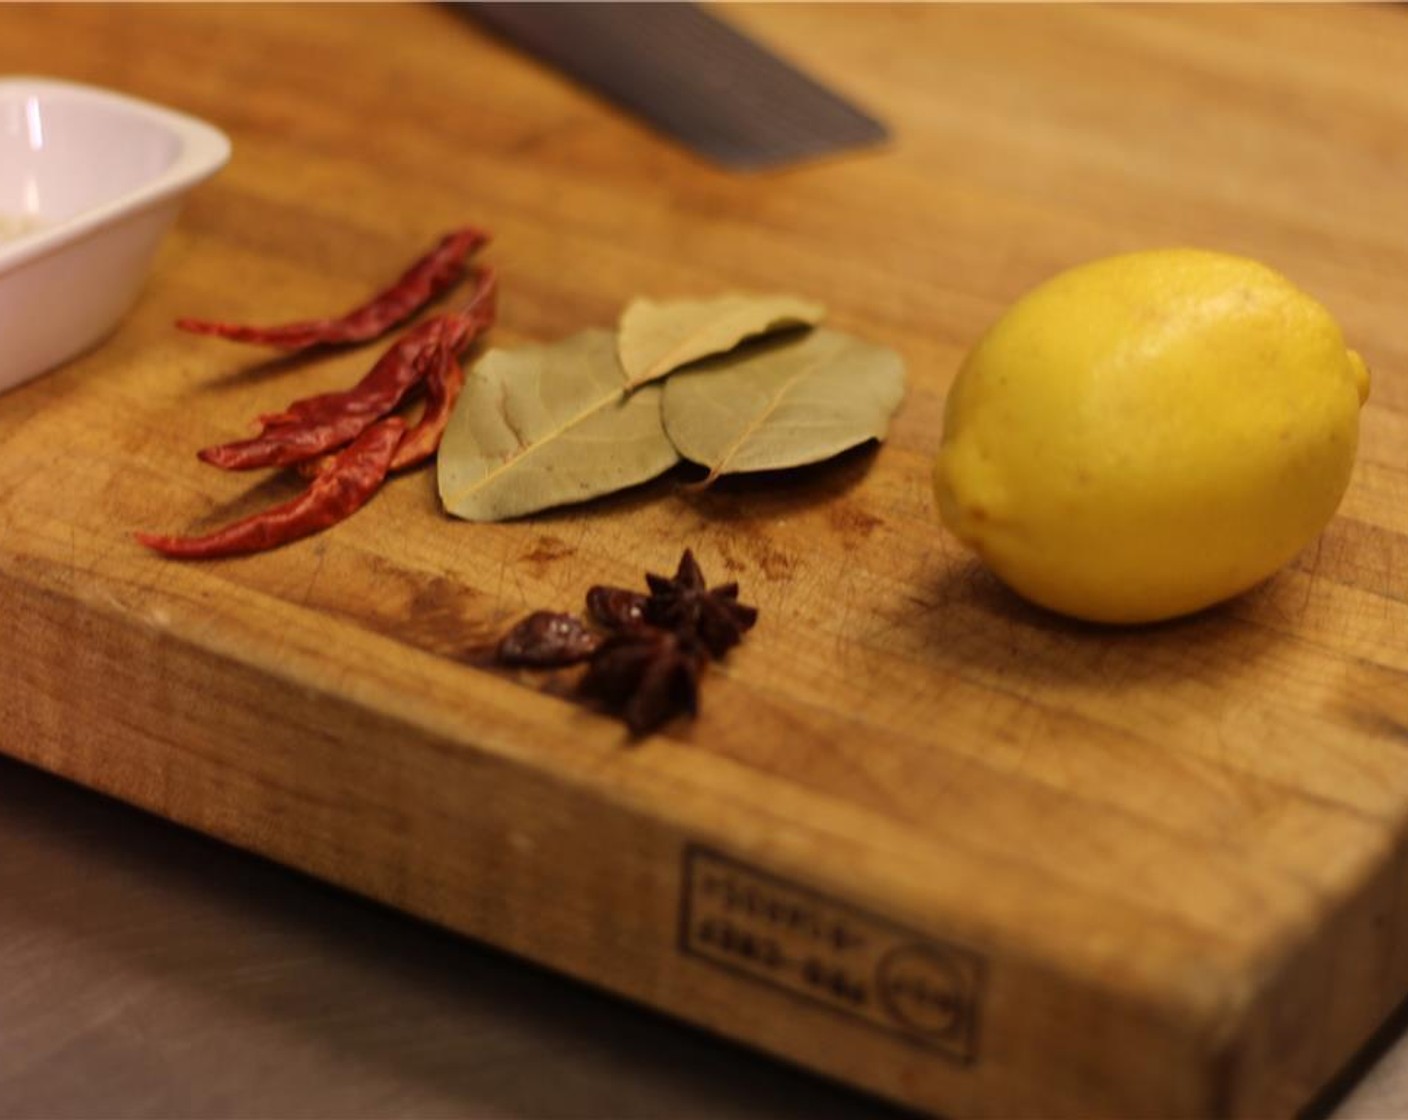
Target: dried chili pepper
(314,425)
(443,384)
(547,640)
(285,447)
(335,495)
(394,374)
(418,285)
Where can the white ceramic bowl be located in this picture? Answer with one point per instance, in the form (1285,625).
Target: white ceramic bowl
(90,181)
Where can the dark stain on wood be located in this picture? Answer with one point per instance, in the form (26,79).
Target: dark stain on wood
(547,550)
(850,522)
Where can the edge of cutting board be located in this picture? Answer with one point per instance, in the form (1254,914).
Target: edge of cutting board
(595,864)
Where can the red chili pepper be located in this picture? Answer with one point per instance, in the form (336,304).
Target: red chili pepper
(442,388)
(338,493)
(287,445)
(382,389)
(309,427)
(417,286)
(395,373)
(443,384)
(288,441)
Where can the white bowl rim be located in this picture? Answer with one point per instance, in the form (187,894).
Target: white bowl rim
(204,150)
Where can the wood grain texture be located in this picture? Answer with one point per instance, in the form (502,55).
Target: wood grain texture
(1175,853)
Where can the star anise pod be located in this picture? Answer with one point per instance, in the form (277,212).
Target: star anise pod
(648,675)
(547,640)
(686,605)
(647,667)
(616,608)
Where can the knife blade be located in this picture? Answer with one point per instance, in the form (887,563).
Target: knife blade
(691,76)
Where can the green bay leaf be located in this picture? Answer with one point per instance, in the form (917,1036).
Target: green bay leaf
(658,338)
(783,402)
(541,426)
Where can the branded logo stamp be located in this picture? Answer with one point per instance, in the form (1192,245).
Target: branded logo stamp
(757,925)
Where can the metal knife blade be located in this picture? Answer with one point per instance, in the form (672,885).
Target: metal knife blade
(691,76)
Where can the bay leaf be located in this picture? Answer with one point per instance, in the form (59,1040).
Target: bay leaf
(541,426)
(658,338)
(783,402)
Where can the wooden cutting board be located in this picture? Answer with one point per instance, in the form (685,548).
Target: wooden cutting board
(922,837)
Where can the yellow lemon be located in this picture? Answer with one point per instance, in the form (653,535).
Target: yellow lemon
(1149,434)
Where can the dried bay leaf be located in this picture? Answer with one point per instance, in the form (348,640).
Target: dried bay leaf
(541,426)
(658,338)
(783,402)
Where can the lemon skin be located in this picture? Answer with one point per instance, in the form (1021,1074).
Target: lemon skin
(1149,434)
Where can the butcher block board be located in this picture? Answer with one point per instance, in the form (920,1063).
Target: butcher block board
(922,837)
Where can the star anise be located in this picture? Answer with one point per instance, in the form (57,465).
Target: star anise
(547,640)
(648,665)
(648,675)
(616,608)
(686,605)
